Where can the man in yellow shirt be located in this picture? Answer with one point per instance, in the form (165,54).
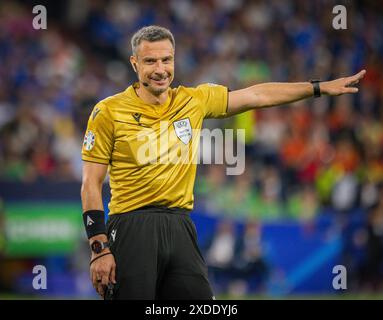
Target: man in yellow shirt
(148,137)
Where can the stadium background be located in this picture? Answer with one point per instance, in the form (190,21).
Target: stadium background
(311,197)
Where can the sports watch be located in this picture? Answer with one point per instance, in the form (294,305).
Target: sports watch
(316,87)
(98,246)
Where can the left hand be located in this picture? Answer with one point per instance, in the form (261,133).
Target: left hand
(103,272)
(342,85)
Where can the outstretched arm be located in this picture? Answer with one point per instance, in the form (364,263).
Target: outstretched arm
(275,93)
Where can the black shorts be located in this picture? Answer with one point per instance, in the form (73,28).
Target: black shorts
(157,255)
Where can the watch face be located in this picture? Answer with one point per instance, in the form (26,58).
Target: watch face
(96,246)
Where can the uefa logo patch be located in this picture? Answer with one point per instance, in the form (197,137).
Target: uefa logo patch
(89,140)
(183,130)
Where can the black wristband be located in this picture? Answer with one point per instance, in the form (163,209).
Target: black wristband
(316,87)
(94,222)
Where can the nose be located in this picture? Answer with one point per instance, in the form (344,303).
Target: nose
(160,67)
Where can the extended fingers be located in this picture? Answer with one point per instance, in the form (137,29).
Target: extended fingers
(351,90)
(351,83)
(353,80)
(358,76)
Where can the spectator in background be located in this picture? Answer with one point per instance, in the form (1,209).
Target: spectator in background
(371,271)
(303,204)
(242,197)
(249,263)
(220,253)
(213,186)
(72,74)
(268,202)
(64,76)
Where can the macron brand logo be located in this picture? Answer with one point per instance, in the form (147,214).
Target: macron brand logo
(137,116)
(113,234)
(95,113)
(89,221)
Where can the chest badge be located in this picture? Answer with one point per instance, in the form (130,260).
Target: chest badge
(183,130)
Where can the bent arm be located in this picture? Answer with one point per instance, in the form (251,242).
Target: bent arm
(276,93)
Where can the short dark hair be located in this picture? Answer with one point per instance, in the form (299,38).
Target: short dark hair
(151,34)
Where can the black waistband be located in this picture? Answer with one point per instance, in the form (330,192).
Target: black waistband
(159,209)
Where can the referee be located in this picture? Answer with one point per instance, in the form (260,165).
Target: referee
(148,249)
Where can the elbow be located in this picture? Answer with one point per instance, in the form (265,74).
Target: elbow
(90,185)
(84,190)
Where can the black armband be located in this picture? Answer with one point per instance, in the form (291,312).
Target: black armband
(94,222)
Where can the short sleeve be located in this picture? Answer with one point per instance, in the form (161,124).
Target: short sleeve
(214,100)
(99,137)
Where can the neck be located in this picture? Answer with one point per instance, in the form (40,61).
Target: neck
(150,98)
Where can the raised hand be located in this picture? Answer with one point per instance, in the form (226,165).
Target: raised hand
(342,85)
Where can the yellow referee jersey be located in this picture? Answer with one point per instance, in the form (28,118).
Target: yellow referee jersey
(151,150)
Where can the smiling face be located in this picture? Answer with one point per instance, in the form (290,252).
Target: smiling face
(154,64)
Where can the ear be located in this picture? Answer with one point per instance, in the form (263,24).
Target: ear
(133,62)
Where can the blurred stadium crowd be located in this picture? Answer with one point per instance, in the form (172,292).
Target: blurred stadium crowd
(315,154)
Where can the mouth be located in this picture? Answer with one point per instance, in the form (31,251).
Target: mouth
(159,82)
